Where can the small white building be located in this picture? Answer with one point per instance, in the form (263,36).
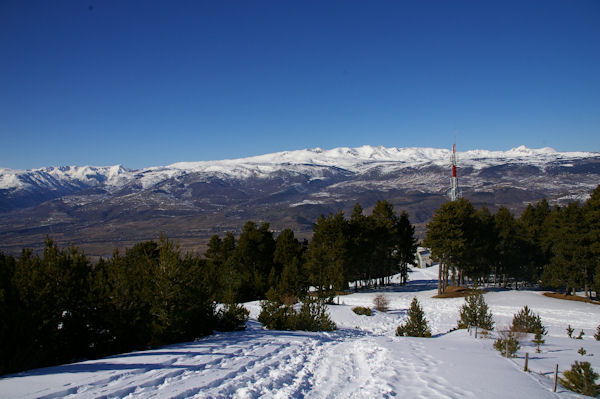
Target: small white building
(423,257)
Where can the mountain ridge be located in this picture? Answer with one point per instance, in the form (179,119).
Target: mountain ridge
(99,208)
(345,157)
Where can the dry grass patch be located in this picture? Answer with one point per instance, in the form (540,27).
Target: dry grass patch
(458,292)
(570,297)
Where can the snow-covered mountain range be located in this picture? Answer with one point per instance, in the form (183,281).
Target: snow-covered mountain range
(311,161)
(191,200)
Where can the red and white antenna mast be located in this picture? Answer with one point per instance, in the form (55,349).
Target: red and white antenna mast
(454,193)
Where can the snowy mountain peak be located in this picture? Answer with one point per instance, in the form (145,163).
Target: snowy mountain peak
(354,160)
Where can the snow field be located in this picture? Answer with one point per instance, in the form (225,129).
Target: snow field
(362,359)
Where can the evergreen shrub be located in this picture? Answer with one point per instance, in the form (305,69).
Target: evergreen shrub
(528,322)
(232,317)
(581,379)
(475,313)
(362,310)
(507,344)
(312,316)
(416,325)
(538,341)
(276,315)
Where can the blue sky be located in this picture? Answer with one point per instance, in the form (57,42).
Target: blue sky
(151,83)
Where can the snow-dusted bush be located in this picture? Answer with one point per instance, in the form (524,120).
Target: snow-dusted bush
(362,310)
(475,313)
(381,303)
(528,322)
(416,325)
(597,335)
(581,379)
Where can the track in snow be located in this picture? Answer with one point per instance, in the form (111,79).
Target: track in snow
(363,359)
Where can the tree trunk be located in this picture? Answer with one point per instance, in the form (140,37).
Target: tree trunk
(495,277)
(440,278)
(446,275)
(587,290)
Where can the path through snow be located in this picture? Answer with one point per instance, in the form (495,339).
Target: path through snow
(363,359)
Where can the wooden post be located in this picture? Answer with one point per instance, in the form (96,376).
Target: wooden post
(475,332)
(555,377)
(526,361)
(506,348)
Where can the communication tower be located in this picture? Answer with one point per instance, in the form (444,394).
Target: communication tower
(454,193)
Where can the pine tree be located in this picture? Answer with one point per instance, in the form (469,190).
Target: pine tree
(571,263)
(483,248)
(232,317)
(526,321)
(407,245)
(507,344)
(328,255)
(359,264)
(313,316)
(538,340)
(290,281)
(53,309)
(475,313)
(252,259)
(509,245)
(416,325)
(385,239)
(276,315)
(532,222)
(591,214)
(451,237)
(581,379)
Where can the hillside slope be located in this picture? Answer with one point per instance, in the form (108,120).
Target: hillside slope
(363,359)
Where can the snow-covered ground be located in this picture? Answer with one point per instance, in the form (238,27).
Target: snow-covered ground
(363,359)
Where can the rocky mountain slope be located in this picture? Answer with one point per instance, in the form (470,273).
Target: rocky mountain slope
(99,208)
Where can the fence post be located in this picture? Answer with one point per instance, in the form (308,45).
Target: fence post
(506,348)
(555,376)
(526,361)
(475,332)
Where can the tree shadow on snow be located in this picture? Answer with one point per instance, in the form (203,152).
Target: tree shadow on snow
(221,345)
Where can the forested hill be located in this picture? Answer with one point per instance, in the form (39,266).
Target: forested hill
(98,208)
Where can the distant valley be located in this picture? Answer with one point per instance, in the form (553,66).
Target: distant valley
(101,208)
